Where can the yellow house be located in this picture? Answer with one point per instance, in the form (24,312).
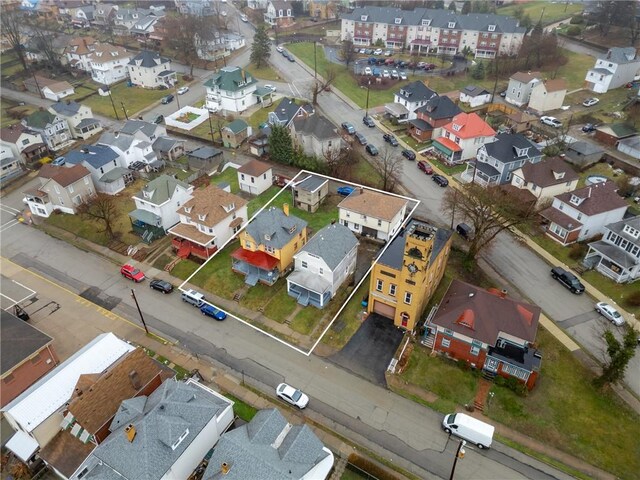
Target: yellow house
(408,272)
(268,244)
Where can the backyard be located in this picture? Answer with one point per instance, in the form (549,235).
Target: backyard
(548,12)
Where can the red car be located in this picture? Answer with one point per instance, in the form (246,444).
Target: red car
(132,273)
(425,167)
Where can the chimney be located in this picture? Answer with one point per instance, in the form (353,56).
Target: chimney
(130,432)
(134,378)
(285,209)
(225,467)
(503,293)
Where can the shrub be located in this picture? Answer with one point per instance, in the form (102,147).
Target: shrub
(577,251)
(576,20)
(574,31)
(633,299)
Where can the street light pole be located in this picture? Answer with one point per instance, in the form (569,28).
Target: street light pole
(366,108)
(459,454)
(315,63)
(133,294)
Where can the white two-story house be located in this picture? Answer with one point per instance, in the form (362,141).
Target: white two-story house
(322,265)
(134,144)
(584,213)
(372,214)
(409,98)
(255,177)
(109,64)
(22,142)
(207,221)
(317,136)
(231,89)
(151,70)
(617,255)
(614,69)
(546,179)
(520,86)
(279,13)
(53,128)
(102,161)
(78,52)
(79,118)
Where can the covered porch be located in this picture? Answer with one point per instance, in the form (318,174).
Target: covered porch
(612,262)
(88,127)
(448,150)
(168,78)
(309,289)
(508,360)
(562,228)
(256,266)
(146,224)
(188,240)
(38,202)
(264,96)
(481,173)
(398,111)
(420,45)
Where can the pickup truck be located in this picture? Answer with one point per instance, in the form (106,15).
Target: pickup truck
(568,279)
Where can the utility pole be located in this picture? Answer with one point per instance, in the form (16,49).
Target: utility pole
(459,454)
(114,106)
(315,63)
(211,129)
(133,294)
(124,110)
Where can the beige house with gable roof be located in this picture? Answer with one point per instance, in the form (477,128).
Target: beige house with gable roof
(372,214)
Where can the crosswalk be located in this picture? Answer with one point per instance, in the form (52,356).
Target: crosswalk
(14,214)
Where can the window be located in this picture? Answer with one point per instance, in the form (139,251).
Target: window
(70,188)
(407,298)
(398,21)
(304,264)
(452,24)
(446,343)
(253,180)
(379,285)
(321,270)
(492,28)
(475,350)
(392,290)
(264,176)
(242,176)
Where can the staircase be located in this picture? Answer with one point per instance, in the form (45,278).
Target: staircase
(184,251)
(303,298)
(480,399)
(430,339)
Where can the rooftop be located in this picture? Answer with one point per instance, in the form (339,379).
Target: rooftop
(19,340)
(373,204)
(161,189)
(512,147)
(254,168)
(62,175)
(594,199)
(273,228)
(331,243)
(316,125)
(210,205)
(231,79)
(95,155)
(469,125)
(416,92)
(550,171)
(310,183)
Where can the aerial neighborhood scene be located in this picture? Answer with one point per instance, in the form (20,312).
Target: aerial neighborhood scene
(320,239)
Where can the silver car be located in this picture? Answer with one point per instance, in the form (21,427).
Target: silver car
(610,313)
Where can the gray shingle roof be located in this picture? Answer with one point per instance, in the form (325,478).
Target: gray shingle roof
(439,107)
(310,183)
(331,243)
(67,109)
(438,18)
(164,144)
(132,126)
(148,59)
(162,189)
(273,228)
(474,91)
(122,142)
(205,152)
(416,92)
(316,125)
(166,414)
(620,55)
(95,155)
(286,109)
(253,452)
(20,340)
(504,148)
(618,227)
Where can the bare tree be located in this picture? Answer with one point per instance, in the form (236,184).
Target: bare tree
(44,37)
(101,208)
(324,85)
(389,167)
(347,53)
(489,210)
(12,23)
(184,34)
(339,163)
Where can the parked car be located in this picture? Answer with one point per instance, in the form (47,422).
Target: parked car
(193,297)
(347,127)
(390,139)
(132,273)
(403,76)
(503,93)
(551,121)
(388,53)
(377,72)
(244,18)
(361,138)
(372,61)
(363,50)
(213,312)
(371,149)
(389,61)
(59,161)
(440,180)
(292,395)
(167,99)
(394,74)
(270,87)
(161,286)
(183,90)
(368,121)
(368,51)
(368,71)
(568,279)
(279,49)
(385,73)
(408,154)
(346,190)
(590,102)
(291,59)
(469,428)
(425,167)
(158,120)
(377,51)
(588,128)
(610,313)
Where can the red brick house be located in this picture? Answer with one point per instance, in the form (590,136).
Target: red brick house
(431,117)
(488,330)
(26,355)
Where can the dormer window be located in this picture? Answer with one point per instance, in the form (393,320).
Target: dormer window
(452,24)
(575,200)
(457,127)
(267,236)
(492,28)
(426,23)
(147,194)
(175,444)
(521,152)
(628,229)
(558,175)
(229,208)
(292,229)
(398,21)
(363,18)
(202,216)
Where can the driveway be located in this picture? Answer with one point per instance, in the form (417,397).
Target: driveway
(370,350)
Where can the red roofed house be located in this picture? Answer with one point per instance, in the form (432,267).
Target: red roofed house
(462,137)
(584,213)
(488,330)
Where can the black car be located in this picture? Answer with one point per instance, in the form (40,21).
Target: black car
(161,286)
(158,120)
(291,59)
(361,138)
(588,128)
(440,180)
(390,139)
(368,121)
(408,154)
(568,279)
(371,150)
(167,99)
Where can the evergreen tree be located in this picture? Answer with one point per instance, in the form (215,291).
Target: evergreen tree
(261,48)
(452,7)
(478,71)
(466,7)
(280,145)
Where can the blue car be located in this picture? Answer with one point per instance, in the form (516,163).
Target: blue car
(213,312)
(346,191)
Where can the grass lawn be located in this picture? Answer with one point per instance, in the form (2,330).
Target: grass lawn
(349,320)
(263,73)
(6,104)
(553,12)
(446,168)
(280,306)
(92,230)
(217,276)
(328,211)
(184,269)
(305,320)
(259,117)
(230,175)
(575,69)
(243,410)
(364,173)
(262,199)
(612,101)
(259,295)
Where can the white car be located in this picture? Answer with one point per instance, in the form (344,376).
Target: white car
(244,18)
(394,74)
(403,76)
(377,51)
(551,121)
(183,90)
(363,51)
(385,73)
(367,71)
(279,49)
(610,313)
(223,13)
(590,102)
(292,395)
(270,87)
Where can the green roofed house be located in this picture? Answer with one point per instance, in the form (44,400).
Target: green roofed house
(232,90)
(53,128)
(157,206)
(235,133)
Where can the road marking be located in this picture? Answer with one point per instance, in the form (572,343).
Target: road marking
(8,225)
(291,88)
(8,209)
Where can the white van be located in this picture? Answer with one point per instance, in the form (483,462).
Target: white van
(469,428)
(193,297)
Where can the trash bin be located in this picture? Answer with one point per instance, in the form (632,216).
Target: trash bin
(21,314)
(464,230)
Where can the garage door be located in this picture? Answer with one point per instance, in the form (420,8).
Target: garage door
(384,309)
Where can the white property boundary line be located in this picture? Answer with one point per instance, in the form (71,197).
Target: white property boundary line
(268,204)
(16,302)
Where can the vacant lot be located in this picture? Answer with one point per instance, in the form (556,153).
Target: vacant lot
(548,12)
